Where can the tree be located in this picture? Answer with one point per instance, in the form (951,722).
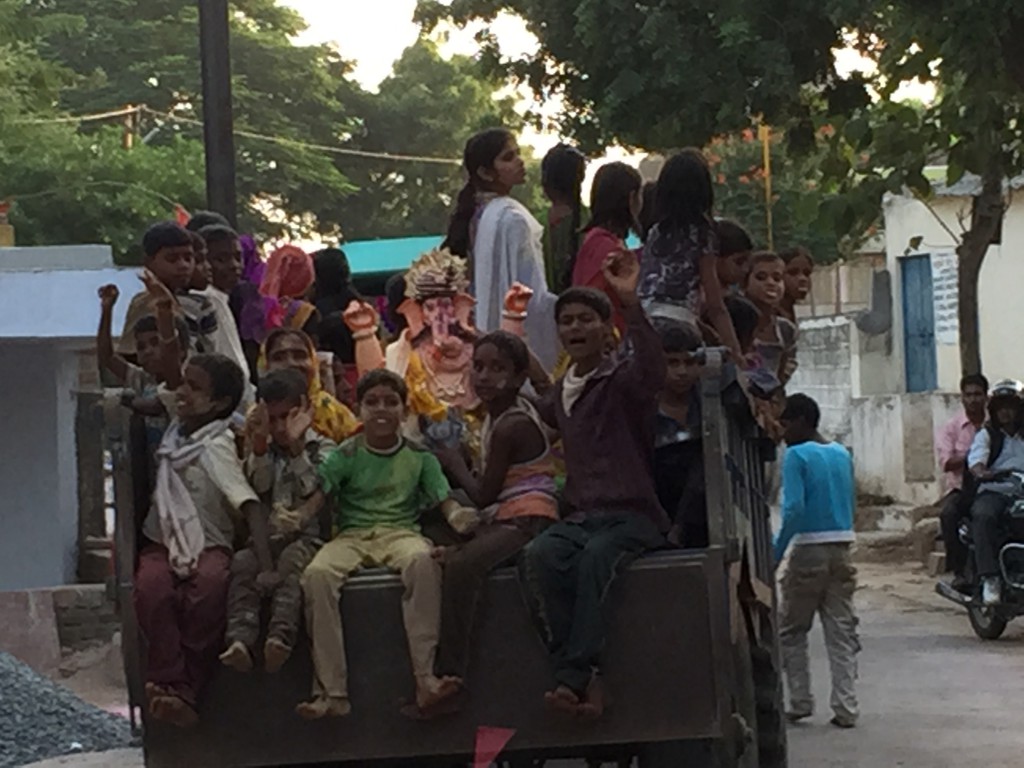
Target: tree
(798,188)
(71,187)
(672,72)
(666,73)
(146,52)
(427,107)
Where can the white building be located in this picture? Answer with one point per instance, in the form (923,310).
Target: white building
(47,333)
(888,378)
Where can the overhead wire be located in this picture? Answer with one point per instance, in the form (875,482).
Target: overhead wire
(78,118)
(283,140)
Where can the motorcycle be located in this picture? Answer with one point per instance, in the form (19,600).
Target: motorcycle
(989,621)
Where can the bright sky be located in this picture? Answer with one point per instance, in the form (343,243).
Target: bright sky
(373,35)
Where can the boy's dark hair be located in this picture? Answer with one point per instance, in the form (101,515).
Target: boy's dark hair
(974,380)
(148,324)
(679,338)
(732,238)
(762,256)
(744,316)
(226,379)
(796,252)
(508,344)
(800,407)
(202,219)
(381,377)
(588,297)
(217,233)
(164,234)
(285,386)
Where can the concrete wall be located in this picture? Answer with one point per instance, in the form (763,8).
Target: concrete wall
(1001,313)
(893,444)
(824,358)
(38,478)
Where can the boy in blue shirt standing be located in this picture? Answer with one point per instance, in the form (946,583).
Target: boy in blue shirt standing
(817,519)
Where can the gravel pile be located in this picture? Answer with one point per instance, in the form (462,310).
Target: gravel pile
(39,719)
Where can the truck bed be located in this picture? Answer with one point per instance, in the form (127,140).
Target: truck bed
(670,610)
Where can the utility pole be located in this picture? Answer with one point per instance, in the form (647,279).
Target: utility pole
(218,123)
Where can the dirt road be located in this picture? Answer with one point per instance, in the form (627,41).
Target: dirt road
(933,696)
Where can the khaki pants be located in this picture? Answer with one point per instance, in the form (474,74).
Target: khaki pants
(244,597)
(820,578)
(404,551)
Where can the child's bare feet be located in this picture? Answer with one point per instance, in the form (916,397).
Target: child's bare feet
(173,709)
(326,706)
(237,657)
(275,654)
(592,708)
(563,700)
(435,697)
(431,690)
(153,691)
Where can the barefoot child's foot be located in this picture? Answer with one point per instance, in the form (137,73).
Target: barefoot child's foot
(563,700)
(237,657)
(328,706)
(431,690)
(175,710)
(592,708)
(435,697)
(275,654)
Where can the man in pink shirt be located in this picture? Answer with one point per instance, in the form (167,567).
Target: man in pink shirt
(952,442)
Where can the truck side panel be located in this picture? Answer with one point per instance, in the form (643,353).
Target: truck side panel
(666,622)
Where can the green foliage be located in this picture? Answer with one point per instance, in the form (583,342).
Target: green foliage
(86,188)
(427,107)
(76,183)
(668,73)
(147,52)
(798,188)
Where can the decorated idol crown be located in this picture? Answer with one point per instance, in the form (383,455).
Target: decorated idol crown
(436,273)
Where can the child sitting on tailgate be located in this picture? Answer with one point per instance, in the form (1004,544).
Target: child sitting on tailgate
(181,581)
(678,450)
(285,454)
(516,490)
(604,408)
(379,483)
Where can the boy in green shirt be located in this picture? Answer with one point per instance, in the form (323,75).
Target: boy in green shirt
(378,483)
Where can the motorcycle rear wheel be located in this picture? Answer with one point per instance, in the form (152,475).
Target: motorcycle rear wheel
(986,622)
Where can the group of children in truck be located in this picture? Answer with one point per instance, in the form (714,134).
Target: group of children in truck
(277,493)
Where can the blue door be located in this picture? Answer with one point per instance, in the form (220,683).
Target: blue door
(918,324)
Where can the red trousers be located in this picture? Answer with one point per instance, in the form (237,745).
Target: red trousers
(182,620)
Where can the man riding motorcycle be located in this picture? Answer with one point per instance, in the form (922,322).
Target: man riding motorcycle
(997,450)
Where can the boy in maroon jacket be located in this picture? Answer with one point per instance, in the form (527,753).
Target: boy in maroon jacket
(604,408)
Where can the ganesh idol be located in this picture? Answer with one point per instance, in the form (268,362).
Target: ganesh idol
(434,354)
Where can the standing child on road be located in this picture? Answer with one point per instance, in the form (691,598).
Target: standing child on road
(285,454)
(817,519)
(379,483)
(181,582)
(604,408)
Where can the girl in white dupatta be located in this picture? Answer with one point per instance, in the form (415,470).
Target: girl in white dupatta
(502,240)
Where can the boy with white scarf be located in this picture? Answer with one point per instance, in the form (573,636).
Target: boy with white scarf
(181,582)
